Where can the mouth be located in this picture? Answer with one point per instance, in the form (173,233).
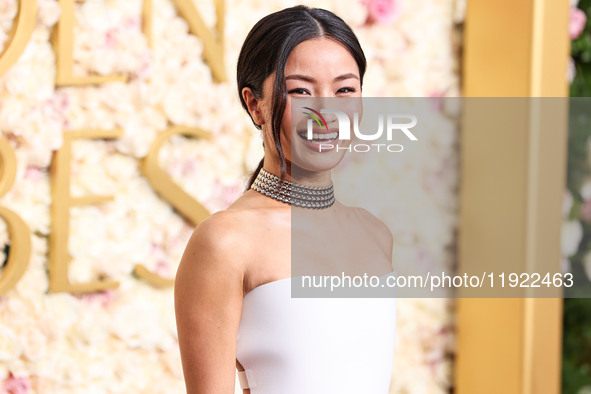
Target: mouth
(320,137)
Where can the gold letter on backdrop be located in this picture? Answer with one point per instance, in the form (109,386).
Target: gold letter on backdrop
(170,191)
(213,43)
(63,46)
(20,34)
(59,257)
(147,21)
(20,238)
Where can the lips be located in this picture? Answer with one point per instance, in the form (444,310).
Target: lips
(320,136)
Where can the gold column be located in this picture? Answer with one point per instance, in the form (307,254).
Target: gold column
(513,49)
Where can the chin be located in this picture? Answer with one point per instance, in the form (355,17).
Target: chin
(316,159)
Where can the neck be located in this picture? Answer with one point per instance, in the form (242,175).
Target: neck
(292,193)
(298,175)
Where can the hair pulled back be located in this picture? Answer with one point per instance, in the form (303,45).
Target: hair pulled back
(267,48)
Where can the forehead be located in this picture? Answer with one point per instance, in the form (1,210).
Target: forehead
(321,56)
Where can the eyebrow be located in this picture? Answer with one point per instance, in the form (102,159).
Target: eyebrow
(310,79)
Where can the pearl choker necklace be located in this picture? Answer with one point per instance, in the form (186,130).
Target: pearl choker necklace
(293,194)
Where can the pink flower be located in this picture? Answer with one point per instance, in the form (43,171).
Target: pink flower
(101,297)
(111,37)
(61,101)
(33,173)
(131,23)
(163,268)
(382,11)
(586,211)
(577,22)
(572,70)
(436,100)
(16,385)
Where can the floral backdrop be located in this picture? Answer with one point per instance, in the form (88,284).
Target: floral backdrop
(124,340)
(576,230)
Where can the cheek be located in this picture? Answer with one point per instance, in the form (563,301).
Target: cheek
(286,131)
(286,124)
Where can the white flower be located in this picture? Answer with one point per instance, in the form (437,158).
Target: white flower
(586,189)
(93,328)
(587,264)
(571,235)
(565,265)
(10,346)
(8,11)
(567,204)
(354,13)
(34,281)
(49,12)
(571,71)
(33,343)
(137,325)
(62,311)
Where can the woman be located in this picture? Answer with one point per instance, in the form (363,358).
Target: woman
(232,297)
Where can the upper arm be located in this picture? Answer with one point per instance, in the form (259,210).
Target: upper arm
(208,294)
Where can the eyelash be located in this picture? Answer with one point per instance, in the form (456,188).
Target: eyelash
(300,90)
(297,91)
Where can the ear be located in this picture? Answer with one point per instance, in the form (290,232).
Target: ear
(254,106)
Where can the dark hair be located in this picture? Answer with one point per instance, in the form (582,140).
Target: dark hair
(269,44)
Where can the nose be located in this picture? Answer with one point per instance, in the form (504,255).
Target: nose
(314,104)
(321,102)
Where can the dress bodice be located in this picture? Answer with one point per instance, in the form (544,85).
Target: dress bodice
(315,345)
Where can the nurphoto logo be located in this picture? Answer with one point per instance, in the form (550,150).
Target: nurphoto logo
(391,123)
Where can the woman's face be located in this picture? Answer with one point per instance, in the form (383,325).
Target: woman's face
(317,68)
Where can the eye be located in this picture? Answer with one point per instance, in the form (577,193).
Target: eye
(298,91)
(346,90)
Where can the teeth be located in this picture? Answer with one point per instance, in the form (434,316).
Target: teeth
(325,136)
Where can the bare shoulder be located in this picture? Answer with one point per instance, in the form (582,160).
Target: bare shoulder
(233,237)
(221,236)
(222,228)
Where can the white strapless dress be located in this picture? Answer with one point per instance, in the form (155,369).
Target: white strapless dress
(315,345)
